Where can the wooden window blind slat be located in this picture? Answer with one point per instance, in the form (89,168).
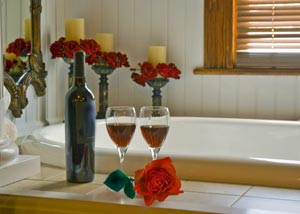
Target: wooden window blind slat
(268,27)
(220,41)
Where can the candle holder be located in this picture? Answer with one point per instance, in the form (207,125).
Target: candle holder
(156,77)
(103,71)
(157,84)
(70,73)
(66,49)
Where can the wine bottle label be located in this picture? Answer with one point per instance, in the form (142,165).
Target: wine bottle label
(85,122)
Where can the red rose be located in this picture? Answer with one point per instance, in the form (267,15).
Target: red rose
(175,72)
(148,71)
(89,46)
(8,65)
(123,60)
(168,70)
(56,49)
(139,79)
(157,181)
(113,59)
(109,58)
(92,59)
(19,47)
(70,48)
(163,70)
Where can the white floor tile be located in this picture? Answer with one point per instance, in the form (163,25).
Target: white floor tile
(276,193)
(60,186)
(208,187)
(268,204)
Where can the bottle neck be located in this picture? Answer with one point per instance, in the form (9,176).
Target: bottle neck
(79,69)
(79,81)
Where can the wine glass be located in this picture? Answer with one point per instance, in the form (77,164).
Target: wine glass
(154,124)
(120,124)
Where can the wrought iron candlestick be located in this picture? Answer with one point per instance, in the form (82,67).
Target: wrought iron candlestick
(103,71)
(36,73)
(157,84)
(70,73)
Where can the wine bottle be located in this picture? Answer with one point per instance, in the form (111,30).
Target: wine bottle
(80,122)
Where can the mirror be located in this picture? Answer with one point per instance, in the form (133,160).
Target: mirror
(31,68)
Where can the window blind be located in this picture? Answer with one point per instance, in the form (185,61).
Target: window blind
(268,33)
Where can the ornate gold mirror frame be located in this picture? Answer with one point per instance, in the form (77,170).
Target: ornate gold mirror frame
(36,73)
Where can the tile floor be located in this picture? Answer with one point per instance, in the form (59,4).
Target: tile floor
(197,195)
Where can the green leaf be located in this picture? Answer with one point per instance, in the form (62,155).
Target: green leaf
(129,191)
(116,180)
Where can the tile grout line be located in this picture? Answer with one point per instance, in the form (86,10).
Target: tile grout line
(241,196)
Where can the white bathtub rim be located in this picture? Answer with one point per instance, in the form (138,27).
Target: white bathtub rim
(37,134)
(209,158)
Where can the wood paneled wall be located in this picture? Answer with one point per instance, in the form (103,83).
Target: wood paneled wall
(178,24)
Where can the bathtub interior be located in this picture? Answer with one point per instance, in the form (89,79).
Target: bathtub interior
(206,137)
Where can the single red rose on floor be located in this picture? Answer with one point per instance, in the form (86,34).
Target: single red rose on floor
(157,181)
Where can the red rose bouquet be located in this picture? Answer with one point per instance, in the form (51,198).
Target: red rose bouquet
(149,72)
(66,49)
(19,47)
(111,59)
(94,55)
(16,56)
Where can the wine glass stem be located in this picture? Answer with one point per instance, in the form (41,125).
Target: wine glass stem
(122,152)
(154,152)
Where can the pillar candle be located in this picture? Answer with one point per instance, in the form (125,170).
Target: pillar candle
(74,29)
(157,54)
(106,41)
(27,29)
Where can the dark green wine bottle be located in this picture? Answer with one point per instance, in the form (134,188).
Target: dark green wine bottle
(80,122)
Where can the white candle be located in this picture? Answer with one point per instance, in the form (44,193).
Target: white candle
(157,54)
(27,29)
(74,29)
(106,41)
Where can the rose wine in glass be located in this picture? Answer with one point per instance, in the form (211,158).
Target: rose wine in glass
(120,124)
(154,124)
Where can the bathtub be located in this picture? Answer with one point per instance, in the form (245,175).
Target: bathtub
(244,151)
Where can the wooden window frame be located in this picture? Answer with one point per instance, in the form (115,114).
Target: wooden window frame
(220,43)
